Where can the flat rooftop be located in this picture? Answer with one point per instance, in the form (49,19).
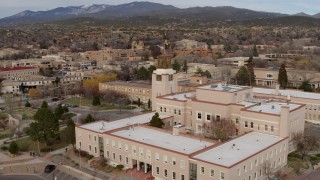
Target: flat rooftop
(131,84)
(273,107)
(245,146)
(180,97)
(104,126)
(164,140)
(224,87)
(292,93)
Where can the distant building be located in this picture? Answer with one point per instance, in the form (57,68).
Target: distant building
(15,72)
(187,44)
(234,61)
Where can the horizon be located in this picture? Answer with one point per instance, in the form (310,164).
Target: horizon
(12,7)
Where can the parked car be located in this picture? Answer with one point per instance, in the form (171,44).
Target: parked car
(73,105)
(55,99)
(49,168)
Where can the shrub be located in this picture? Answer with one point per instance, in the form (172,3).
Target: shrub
(318,155)
(76,151)
(84,153)
(89,156)
(313,158)
(46,149)
(4,148)
(27,104)
(294,155)
(13,148)
(120,166)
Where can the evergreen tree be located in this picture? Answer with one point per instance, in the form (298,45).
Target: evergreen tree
(283,77)
(252,79)
(242,76)
(151,69)
(206,73)
(185,66)
(89,119)
(96,101)
(70,134)
(45,127)
(156,121)
(306,86)
(13,148)
(143,73)
(255,51)
(59,111)
(139,102)
(44,104)
(149,104)
(176,66)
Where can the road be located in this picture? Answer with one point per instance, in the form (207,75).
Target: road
(20,177)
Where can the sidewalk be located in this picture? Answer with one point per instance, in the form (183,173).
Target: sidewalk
(57,157)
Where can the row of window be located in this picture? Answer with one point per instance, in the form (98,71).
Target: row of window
(266,127)
(208,116)
(165,174)
(141,153)
(128,89)
(174,111)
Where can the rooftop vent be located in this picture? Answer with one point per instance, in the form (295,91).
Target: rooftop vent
(272,107)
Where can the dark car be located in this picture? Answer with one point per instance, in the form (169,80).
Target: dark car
(55,99)
(49,168)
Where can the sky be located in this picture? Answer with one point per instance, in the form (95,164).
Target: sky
(11,7)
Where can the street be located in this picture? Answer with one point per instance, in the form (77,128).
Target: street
(20,177)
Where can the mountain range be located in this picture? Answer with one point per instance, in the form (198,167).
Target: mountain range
(136,9)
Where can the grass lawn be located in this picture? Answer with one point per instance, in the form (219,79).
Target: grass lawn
(107,107)
(76,101)
(6,133)
(26,144)
(29,112)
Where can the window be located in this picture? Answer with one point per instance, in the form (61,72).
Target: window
(175,111)
(120,158)
(251,124)
(108,154)
(246,124)
(269,75)
(119,145)
(179,112)
(199,115)
(266,127)
(218,117)
(182,177)
(113,156)
(95,149)
(165,159)
(170,77)
(165,109)
(126,147)
(222,175)
(239,172)
(160,109)
(158,78)
(165,173)
(157,156)
(202,170)
(208,117)
(211,172)
(140,151)
(237,120)
(158,170)
(174,161)
(127,160)
(90,147)
(244,168)
(272,128)
(173,175)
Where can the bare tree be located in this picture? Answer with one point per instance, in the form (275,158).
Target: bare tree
(267,170)
(219,129)
(304,143)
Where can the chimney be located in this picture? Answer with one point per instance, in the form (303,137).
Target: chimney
(277,91)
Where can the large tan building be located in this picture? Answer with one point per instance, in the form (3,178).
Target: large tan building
(179,151)
(311,100)
(16,72)
(268,77)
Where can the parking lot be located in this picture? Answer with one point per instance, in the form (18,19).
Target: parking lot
(58,174)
